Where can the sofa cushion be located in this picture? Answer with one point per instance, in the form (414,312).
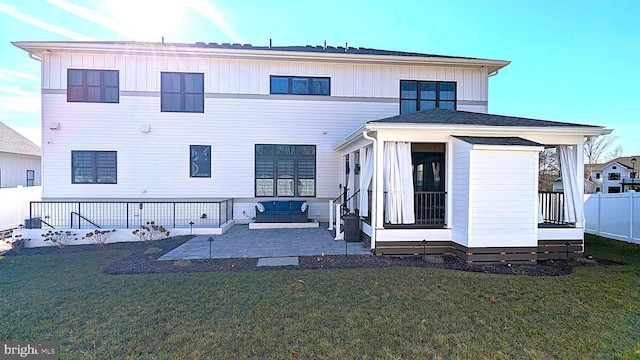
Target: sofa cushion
(268,205)
(260,207)
(282,206)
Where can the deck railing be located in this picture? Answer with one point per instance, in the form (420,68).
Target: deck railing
(130,214)
(552,207)
(429,207)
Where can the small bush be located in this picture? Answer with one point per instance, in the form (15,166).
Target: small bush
(99,237)
(151,231)
(60,238)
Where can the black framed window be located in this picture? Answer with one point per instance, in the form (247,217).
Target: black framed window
(182,92)
(94,167)
(31,177)
(200,160)
(100,86)
(298,85)
(285,170)
(423,95)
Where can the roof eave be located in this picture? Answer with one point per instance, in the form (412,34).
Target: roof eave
(40,48)
(485,129)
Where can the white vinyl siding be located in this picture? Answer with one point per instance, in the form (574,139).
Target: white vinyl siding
(502,202)
(13,169)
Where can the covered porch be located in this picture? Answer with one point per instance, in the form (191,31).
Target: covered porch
(444,181)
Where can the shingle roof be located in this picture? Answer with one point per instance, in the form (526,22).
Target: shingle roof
(306,48)
(12,142)
(623,160)
(455,117)
(486,140)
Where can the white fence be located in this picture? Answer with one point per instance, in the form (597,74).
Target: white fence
(14,205)
(615,216)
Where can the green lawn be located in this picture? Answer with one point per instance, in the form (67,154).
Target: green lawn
(389,313)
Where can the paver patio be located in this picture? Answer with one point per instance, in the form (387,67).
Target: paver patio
(241,242)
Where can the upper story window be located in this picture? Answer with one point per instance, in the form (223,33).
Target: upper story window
(100,86)
(597,175)
(94,167)
(423,95)
(614,176)
(298,85)
(182,92)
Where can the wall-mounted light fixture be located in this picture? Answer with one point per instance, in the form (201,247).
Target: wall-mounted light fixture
(145,128)
(54,125)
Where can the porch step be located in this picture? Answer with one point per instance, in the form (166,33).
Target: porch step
(278,261)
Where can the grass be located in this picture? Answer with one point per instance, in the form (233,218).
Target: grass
(386,313)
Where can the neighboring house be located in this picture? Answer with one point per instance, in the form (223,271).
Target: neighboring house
(19,159)
(135,122)
(617,175)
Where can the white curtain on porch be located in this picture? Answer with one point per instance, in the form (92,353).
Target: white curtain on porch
(398,177)
(351,185)
(567,160)
(366,174)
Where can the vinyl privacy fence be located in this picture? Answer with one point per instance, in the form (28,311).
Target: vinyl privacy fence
(615,216)
(14,205)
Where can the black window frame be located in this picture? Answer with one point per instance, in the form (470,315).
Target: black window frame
(273,159)
(85,86)
(438,95)
(291,88)
(183,107)
(96,169)
(199,156)
(31,180)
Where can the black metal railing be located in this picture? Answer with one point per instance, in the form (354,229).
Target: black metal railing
(131,214)
(429,207)
(552,207)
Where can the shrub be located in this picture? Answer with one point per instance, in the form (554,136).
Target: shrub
(60,238)
(151,231)
(99,237)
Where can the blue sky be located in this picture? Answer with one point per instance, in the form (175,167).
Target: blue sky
(573,61)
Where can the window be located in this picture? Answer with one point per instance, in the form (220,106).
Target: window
(614,176)
(100,86)
(285,170)
(200,161)
(182,92)
(423,95)
(613,190)
(94,167)
(597,175)
(31,177)
(297,85)
(633,175)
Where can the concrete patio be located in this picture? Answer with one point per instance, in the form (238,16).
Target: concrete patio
(242,242)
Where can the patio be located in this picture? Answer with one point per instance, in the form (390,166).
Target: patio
(242,242)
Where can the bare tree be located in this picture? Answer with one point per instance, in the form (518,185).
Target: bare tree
(594,149)
(615,153)
(548,169)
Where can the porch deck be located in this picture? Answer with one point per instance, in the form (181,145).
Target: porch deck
(241,242)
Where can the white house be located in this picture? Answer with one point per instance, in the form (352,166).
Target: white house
(617,175)
(19,159)
(215,128)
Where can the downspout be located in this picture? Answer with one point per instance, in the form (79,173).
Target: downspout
(374,193)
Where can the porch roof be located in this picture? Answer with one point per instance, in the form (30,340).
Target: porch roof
(456,117)
(485,140)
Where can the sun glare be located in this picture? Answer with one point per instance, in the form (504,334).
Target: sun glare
(147,19)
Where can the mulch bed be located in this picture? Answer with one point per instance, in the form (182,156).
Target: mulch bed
(144,255)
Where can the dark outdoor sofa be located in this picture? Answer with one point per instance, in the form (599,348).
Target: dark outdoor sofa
(282,211)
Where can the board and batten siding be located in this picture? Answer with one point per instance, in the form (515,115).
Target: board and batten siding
(13,169)
(234,76)
(502,201)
